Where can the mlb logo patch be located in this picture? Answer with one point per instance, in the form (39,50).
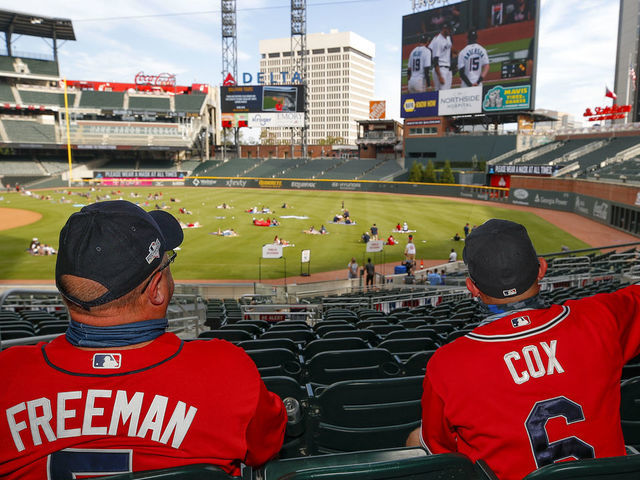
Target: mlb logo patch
(520,322)
(510,292)
(107,360)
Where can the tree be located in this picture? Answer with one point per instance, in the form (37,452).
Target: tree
(415,174)
(429,174)
(447,173)
(330,140)
(267,137)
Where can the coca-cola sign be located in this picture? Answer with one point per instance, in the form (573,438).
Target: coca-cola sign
(160,80)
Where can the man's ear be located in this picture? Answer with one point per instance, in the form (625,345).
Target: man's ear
(475,291)
(543,267)
(155,291)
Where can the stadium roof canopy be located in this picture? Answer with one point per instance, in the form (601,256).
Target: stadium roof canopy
(36,25)
(505,117)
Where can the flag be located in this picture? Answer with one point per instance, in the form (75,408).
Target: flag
(632,75)
(609,93)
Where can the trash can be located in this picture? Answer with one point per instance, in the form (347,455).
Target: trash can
(399,269)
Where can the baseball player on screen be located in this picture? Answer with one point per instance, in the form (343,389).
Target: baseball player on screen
(473,62)
(534,383)
(117,393)
(418,67)
(441,51)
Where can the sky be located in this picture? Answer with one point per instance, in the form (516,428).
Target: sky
(116,39)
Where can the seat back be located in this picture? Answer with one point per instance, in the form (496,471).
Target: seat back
(413,334)
(365,334)
(328,344)
(366,414)
(186,472)
(322,329)
(298,336)
(261,344)
(630,411)
(276,361)
(326,368)
(247,327)
(229,335)
(612,468)
(405,347)
(397,463)
(416,364)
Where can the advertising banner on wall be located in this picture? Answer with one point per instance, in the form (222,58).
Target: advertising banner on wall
(471,43)
(419,105)
(276,120)
(500,99)
(377,109)
(460,101)
(261,98)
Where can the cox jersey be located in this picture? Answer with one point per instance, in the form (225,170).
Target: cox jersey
(535,386)
(472,58)
(68,412)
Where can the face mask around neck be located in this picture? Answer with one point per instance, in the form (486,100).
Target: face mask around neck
(83,335)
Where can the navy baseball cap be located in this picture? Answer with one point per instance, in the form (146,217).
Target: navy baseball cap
(115,243)
(501,259)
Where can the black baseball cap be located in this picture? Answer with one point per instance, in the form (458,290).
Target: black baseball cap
(501,259)
(115,243)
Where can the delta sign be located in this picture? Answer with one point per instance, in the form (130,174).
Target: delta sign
(262,78)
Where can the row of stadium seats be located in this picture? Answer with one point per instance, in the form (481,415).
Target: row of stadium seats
(401,463)
(192,103)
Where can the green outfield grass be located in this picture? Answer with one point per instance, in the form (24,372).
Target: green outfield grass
(205,256)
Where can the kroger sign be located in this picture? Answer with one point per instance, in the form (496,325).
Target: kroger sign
(262,78)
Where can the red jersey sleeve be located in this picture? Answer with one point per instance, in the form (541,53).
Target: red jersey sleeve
(622,313)
(436,435)
(265,432)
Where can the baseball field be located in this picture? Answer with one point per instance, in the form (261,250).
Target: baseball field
(206,256)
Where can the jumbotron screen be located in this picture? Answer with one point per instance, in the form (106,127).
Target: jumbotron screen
(469,57)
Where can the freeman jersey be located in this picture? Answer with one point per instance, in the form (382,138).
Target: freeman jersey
(419,60)
(472,58)
(441,48)
(67,411)
(535,386)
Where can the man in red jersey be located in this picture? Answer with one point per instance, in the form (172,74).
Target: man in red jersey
(533,384)
(117,393)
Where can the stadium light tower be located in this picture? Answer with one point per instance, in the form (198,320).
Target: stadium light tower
(299,64)
(229,50)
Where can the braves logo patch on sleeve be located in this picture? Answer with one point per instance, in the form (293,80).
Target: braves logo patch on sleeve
(520,322)
(107,360)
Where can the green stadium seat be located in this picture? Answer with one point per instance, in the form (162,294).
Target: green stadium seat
(372,321)
(326,368)
(322,329)
(330,344)
(365,414)
(187,472)
(290,325)
(416,364)
(233,336)
(276,362)
(612,468)
(398,463)
(630,411)
(295,443)
(261,344)
(413,334)
(298,336)
(363,333)
(405,347)
(247,327)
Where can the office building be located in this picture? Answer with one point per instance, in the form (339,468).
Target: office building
(341,75)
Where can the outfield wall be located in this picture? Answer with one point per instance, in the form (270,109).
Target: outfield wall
(615,205)
(431,189)
(611,204)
